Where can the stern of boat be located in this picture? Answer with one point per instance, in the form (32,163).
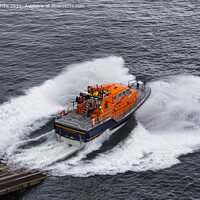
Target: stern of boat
(70,135)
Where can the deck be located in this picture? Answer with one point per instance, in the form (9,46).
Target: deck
(74,120)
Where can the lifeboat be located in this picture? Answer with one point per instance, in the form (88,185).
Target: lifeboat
(99,108)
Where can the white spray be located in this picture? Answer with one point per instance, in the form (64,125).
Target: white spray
(168,123)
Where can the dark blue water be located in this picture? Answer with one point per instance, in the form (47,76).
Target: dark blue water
(47,55)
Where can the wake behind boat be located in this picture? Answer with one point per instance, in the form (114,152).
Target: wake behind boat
(100,108)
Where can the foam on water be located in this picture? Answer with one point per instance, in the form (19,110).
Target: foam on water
(23,115)
(40,151)
(168,124)
(44,151)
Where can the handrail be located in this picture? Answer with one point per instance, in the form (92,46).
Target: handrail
(105,116)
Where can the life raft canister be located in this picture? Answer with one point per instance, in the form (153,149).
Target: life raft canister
(62,114)
(93,121)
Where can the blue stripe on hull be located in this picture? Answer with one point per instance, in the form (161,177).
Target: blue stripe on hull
(101,128)
(86,137)
(110,125)
(121,122)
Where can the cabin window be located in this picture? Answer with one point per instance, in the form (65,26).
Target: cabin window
(128,91)
(119,94)
(114,97)
(123,93)
(106,105)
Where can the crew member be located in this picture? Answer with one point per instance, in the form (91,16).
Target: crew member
(138,85)
(104,91)
(100,112)
(78,99)
(82,99)
(89,89)
(95,93)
